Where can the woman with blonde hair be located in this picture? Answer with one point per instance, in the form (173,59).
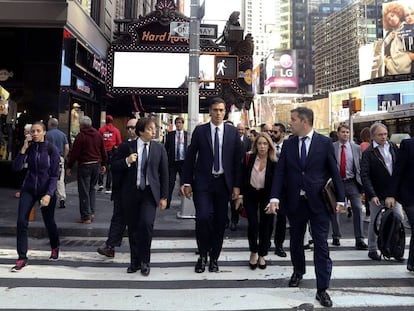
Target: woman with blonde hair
(258,167)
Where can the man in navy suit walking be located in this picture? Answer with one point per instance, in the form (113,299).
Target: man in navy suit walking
(211,171)
(306,162)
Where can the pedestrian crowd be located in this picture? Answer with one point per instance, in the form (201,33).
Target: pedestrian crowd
(267,176)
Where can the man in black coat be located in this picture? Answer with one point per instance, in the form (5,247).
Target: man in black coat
(377,168)
(176,146)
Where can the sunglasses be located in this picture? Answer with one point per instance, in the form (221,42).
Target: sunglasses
(130,127)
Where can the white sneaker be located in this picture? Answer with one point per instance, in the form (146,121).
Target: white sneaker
(100,188)
(108,191)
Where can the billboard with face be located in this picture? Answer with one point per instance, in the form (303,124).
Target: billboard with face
(394,53)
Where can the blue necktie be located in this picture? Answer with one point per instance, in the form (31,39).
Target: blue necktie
(178,146)
(216,151)
(143,179)
(303,152)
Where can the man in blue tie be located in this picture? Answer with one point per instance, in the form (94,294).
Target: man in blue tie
(176,146)
(211,173)
(306,162)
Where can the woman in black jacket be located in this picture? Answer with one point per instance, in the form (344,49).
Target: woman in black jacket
(258,171)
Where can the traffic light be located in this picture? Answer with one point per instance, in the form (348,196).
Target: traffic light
(356,105)
(345,103)
(226,67)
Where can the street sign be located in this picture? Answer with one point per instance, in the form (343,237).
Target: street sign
(182,30)
(208,31)
(179,29)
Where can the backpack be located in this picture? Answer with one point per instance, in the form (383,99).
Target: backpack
(391,234)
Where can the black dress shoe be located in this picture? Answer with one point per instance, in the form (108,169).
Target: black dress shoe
(361,245)
(295,280)
(62,204)
(253,266)
(213,266)
(410,267)
(280,251)
(132,269)
(374,255)
(233,226)
(335,241)
(145,269)
(200,266)
(107,251)
(324,299)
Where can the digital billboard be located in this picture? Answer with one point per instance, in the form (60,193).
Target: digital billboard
(281,71)
(159,70)
(394,53)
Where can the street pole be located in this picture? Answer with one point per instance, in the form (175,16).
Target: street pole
(351,125)
(193,85)
(187,206)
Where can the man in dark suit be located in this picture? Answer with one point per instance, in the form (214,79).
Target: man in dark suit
(278,137)
(246,144)
(402,188)
(176,146)
(305,164)
(348,156)
(143,164)
(211,170)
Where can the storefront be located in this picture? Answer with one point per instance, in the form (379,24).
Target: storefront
(52,65)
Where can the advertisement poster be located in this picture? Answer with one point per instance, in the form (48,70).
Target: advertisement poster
(394,53)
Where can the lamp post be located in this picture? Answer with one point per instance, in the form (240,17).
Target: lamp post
(187,206)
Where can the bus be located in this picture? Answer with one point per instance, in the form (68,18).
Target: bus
(398,119)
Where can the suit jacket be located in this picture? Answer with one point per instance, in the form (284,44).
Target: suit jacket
(198,163)
(246,144)
(157,169)
(356,156)
(319,167)
(403,175)
(374,174)
(170,145)
(247,173)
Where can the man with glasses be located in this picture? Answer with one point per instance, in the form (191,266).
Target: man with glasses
(117,226)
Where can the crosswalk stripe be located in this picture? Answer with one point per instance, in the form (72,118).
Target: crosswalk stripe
(86,280)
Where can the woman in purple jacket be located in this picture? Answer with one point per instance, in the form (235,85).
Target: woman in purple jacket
(39,185)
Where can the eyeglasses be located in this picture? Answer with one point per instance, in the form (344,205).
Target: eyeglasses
(130,127)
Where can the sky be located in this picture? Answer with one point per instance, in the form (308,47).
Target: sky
(217,11)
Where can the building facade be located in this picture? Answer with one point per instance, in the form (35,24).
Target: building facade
(55,63)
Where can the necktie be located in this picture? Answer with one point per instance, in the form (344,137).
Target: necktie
(303,152)
(177,149)
(342,165)
(143,179)
(216,152)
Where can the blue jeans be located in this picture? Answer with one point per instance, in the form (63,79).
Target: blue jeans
(26,203)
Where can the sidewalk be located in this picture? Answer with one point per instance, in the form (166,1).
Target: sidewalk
(166,223)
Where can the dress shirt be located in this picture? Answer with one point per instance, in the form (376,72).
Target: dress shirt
(180,146)
(140,148)
(308,141)
(220,134)
(386,154)
(257,177)
(349,170)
